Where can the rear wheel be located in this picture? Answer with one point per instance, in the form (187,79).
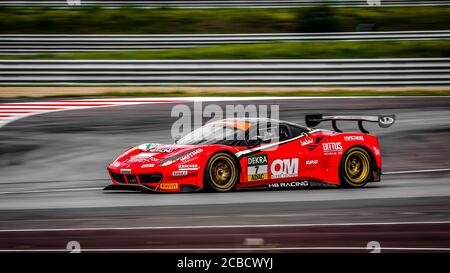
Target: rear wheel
(356,168)
(222,173)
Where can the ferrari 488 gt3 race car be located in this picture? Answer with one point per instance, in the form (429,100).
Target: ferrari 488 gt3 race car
(298,155)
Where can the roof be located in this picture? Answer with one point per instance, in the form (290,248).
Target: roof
(252,121)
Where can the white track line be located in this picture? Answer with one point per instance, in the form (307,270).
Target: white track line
(99,188)
(227,249)
(417,171)
(41,107)
(225,226)
(52,190)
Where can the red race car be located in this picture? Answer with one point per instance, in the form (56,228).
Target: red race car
(296,156)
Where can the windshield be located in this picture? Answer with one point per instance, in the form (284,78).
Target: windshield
(216,133)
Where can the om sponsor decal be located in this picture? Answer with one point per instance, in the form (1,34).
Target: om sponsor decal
(283,168)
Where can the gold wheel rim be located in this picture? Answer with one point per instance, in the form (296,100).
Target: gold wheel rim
(357,166)
(222,172)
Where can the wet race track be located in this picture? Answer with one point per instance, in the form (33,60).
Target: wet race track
(53,169)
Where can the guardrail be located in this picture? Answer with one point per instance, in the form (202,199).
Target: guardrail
(221,4)
(31,43)
(303,72)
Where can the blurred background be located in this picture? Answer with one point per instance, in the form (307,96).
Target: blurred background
(307,56)
(240,43)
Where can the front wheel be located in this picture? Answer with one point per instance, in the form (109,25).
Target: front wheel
(222,173)
(356,168)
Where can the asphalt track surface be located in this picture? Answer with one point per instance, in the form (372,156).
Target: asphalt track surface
(53,169)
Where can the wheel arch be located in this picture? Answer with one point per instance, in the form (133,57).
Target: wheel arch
(231,154)
(235,158)
(376,170)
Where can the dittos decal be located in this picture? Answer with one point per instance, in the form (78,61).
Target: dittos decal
(282,168)
(257,167)
(332,148)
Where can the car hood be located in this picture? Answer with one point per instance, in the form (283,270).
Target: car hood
(153,152)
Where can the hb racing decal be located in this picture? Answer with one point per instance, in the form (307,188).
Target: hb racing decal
(257,167)
(283,168)
(289,184)
(332,148)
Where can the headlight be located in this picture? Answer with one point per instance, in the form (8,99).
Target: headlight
(172,159)
(168,161)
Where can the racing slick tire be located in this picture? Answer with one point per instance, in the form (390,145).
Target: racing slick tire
(355,168)
(221,173)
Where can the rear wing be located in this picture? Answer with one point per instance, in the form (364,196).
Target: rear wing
(384,121)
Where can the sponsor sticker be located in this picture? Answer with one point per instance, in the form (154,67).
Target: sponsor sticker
(125,171)
(332,148)
(145,155)
(190,155)
(376,151)
(147,146)
(354,138)
(179,173)
(168,186)
(289,184)
(386,120)
(306,141)
(283,168)
(143,166)
(188,167)
(115,164)
(312,162)
(163,149)
(257,167)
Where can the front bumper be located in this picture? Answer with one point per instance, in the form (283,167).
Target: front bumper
(154,187)
(172,178)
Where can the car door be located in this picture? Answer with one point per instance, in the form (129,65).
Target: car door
(276,161)
(284,159)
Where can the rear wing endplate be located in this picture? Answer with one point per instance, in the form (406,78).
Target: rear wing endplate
(384,121)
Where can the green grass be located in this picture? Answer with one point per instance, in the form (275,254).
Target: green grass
(285,50)
(94,20)
(54,91)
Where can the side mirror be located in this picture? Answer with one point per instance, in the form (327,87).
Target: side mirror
(177,138)
(255,142)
